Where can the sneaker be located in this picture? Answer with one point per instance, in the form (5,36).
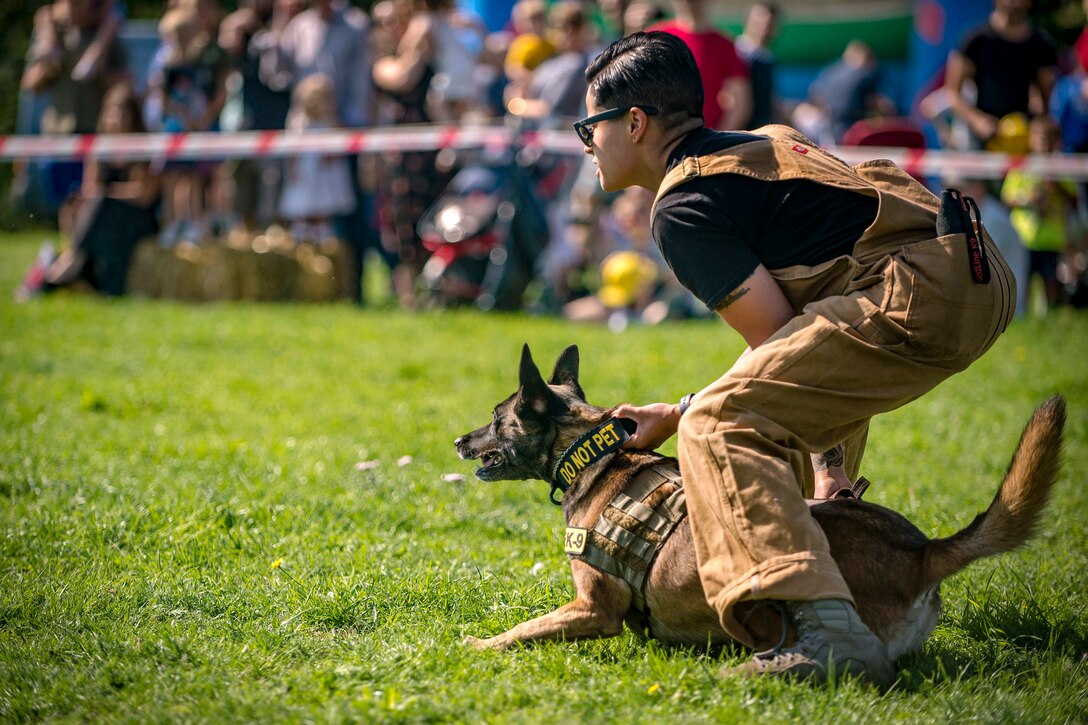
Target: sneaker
(832,641)
(194,232)
(301,232)
(170,234)
(34,281)
(323,231)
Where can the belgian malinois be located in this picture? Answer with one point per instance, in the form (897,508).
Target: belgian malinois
(649,579)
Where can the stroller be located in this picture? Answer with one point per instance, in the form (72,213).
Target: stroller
(485,233)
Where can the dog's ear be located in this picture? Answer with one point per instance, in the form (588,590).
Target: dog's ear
(566,371)
(534,394)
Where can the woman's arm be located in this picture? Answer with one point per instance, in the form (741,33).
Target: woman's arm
(400,72)
(756,309)
(958,71)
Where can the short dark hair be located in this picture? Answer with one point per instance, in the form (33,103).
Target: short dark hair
(651,69)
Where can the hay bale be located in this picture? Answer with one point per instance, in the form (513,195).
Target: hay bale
(266,267)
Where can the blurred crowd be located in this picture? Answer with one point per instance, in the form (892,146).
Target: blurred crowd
(524,229)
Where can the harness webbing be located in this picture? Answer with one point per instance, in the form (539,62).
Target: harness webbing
(634,526)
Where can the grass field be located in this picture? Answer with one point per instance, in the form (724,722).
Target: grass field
(187,534)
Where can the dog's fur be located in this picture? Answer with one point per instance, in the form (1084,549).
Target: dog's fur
(893,570)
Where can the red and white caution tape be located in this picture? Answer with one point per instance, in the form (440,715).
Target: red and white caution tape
(270,144)
(250,144)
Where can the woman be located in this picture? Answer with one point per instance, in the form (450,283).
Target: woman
(116,209)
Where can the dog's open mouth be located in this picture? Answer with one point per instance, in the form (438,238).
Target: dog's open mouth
(488,462)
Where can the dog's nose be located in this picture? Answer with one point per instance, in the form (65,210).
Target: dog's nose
(457,441)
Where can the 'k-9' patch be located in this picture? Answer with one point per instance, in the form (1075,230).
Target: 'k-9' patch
(574,540)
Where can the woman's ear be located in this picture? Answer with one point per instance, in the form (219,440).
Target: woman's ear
(638,124)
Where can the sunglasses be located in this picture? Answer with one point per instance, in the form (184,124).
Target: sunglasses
(584,128)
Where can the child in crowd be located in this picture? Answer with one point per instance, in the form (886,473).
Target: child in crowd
(316,187)
(1042,210)
(995,216)
(186,93)
(636,283)
(530,46)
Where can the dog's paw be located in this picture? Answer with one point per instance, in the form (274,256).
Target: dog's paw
(475,642)
(481,644)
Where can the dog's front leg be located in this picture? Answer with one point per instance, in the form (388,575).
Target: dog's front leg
(598,609)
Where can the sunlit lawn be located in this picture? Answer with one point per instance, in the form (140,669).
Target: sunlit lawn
(242,512)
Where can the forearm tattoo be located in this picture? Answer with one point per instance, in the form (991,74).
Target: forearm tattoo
(733,297)
(831,458)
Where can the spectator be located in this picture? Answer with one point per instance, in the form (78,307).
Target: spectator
(611,18)
(209,13)
(1011,66)
(186,94)
(530,46)
(556,94)
(635,282)
(842,94)
(641,15)
(412,181)
(75,58)
(251,38)
(1069,102)
(1042,210)
(315,187)
(332,38)
(115,211)
(754,47)
(557,87)
(727,90)
(457,39)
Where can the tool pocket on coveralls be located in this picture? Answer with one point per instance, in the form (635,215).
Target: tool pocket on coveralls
(886,300)
(931,296)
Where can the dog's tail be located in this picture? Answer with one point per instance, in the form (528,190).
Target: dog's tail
(1013,514)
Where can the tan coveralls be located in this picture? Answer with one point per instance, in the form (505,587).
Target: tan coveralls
(874,330)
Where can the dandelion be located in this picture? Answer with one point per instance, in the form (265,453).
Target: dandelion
(277,565)
(653,689)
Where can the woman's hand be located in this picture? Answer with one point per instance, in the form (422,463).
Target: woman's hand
(657,423)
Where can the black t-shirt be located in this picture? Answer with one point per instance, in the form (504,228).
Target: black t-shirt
(1005,70)
(715,230)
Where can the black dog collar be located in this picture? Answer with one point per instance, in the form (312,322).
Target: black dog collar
(589,448)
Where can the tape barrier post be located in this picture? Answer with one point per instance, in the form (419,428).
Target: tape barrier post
(271,144)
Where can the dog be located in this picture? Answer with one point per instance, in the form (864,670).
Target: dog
(548,431)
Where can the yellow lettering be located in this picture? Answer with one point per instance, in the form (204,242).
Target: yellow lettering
(567,472)
(608,433)
(599,441)
(574,540)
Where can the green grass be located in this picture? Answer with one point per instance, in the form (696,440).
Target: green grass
(157,459)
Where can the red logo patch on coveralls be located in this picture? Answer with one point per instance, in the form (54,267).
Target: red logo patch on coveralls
(800,149)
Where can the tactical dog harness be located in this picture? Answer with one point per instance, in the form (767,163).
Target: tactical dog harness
(632,529)
(636,523)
